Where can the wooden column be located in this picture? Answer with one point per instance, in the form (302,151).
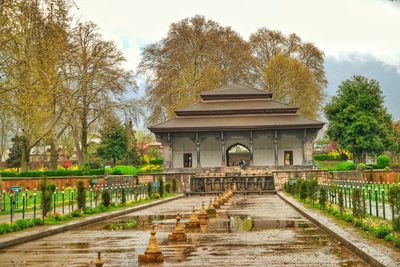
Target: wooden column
(276,147)
(303,146)
(198,150)
(168,160)
(223,149)
(251,147)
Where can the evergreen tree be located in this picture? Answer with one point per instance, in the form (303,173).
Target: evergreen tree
(132,155)
(81,197)
(161,188)
(149,189)
(114,143)
(106,198)
(358,119)
(17,151)
(47,197)
(174,185)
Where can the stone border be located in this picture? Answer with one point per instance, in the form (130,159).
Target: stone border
(367,253)
(23,237)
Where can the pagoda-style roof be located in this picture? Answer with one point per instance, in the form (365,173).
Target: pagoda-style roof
(235,91)
(236,107)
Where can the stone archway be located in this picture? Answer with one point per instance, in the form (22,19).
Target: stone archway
(237,152)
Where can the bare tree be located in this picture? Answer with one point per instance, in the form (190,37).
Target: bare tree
(98,79)
(197,55)
(33,38)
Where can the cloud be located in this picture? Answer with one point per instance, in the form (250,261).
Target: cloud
(345,30)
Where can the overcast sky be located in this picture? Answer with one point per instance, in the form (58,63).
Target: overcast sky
(348,31)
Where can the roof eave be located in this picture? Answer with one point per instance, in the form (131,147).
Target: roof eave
(236,96)
(236,128)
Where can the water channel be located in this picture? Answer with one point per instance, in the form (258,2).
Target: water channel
(253,230)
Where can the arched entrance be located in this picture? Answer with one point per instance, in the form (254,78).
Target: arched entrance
(237,152)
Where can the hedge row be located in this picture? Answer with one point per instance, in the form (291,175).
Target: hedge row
(53,173)
(156,161)
(329,157)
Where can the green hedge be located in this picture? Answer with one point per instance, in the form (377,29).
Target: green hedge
(123,170)
(18,225)
(53,173)
(382,161)
(158,161)
(345,166)
(323,157)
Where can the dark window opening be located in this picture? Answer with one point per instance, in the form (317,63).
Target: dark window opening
(288,158)
(187,160)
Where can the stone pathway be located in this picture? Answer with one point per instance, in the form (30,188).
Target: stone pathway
(384,255)
(253,230)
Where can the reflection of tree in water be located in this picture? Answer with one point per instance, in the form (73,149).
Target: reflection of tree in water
(242,223)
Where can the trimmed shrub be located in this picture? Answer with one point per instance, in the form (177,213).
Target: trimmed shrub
(47,197)
(174,185)
(382,162)
(76,213)
(357,203)
(361,166)
(323,197)
(168,187)
(161,188)
(345,166)
(303,189)
(341,202)
(106,198)
(382,231)
(357,222)
(158,161)
(92,210)
(149,189)
(123,170)
(347,217)
(5,228)
(394,201)
(312,189)
(396,240)
(123,196)
(81,196)
(37,221)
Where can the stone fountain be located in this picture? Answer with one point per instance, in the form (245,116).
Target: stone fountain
(203,215)
(193,221)
(210,209)
(153,252)
(178,234)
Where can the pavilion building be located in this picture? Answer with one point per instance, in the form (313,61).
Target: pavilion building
(237,124)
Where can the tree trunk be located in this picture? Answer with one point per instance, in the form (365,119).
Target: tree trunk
(53,154)
(25,152)
(114,160)
(84,141)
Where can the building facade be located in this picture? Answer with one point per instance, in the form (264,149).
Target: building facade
(236,124)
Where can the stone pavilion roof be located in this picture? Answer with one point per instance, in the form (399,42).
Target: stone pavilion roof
(236,107)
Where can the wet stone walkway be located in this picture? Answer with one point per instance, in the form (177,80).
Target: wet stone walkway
(254,230)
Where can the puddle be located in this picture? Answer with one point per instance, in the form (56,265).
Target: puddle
(251,230)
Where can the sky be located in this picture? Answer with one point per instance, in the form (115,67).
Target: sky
(357,36)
